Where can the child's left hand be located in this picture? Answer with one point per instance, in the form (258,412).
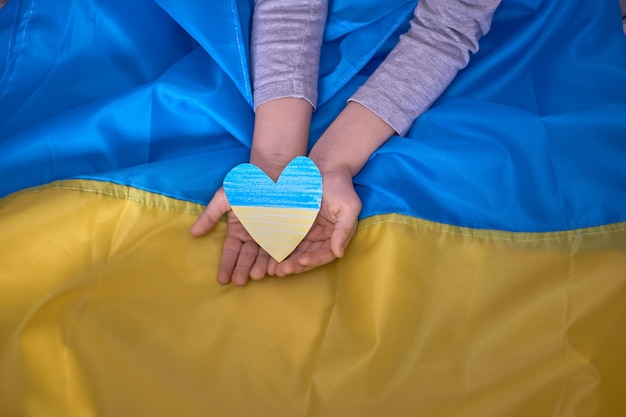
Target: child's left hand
(332,230)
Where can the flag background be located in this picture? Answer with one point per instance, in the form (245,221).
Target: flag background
(487,276)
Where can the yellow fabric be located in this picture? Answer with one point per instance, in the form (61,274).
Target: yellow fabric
(110,308)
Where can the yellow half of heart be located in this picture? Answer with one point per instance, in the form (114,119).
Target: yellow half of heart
(278,230)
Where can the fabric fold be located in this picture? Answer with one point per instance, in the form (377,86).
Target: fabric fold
(119,310)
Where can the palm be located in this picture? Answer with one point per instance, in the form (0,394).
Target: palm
(332,230)
(241,256)
(317,241)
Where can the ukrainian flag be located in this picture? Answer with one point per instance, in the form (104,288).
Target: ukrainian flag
(487,276)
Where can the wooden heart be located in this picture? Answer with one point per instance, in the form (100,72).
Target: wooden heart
(276,214)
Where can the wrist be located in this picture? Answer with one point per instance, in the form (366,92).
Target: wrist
(350,140)
(273,164)
(329,159)
(281,132)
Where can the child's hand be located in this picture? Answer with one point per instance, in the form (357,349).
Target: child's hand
(281,130)
(241,255)
(340,154)
(332,230)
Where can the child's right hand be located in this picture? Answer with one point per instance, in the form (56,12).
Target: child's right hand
(241,257)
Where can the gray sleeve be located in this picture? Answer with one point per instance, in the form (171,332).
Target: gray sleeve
(427,58)
(285,48)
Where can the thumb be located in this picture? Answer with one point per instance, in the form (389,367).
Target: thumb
(344,230)
(211,214)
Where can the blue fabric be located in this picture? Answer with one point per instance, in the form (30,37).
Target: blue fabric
(531,136)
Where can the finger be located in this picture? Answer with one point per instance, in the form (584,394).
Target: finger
(290,264)
(286,267)
(271,266)
(247,256)
(317,254)
(302,248)
(320,255)
(344,230)
(228,260)
(313,260)
(259,269)
(312,247)
(211,214)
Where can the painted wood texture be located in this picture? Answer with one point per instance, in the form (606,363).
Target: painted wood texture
(278,215)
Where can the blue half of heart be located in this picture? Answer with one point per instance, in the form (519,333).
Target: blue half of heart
(299,186)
